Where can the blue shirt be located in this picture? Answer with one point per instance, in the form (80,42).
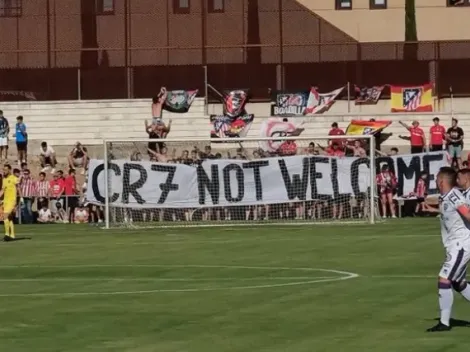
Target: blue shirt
(3,127)
(20,132)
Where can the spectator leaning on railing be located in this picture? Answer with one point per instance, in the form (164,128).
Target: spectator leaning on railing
(42,189)
(71,193)
(28,191)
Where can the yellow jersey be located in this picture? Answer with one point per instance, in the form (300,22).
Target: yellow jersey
(9,189)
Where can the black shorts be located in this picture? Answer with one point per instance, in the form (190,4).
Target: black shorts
(21,146)
(70,203)
(416,149)
(436,147)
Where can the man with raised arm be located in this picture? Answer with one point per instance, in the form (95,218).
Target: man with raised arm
(455,219)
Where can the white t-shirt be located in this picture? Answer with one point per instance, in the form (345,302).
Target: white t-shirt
(47,153)
(81,215)
(455,230)
(45,215)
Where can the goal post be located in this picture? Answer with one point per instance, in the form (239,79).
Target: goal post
(235,181)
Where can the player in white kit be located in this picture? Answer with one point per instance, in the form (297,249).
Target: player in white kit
(455,231)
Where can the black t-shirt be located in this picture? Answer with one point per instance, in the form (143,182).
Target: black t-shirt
(455,133)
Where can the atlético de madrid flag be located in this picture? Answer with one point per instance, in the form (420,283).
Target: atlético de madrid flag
(411,99)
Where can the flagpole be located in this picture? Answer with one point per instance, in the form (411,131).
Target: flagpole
(349,100)
(451,101)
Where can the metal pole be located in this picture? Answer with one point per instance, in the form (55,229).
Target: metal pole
(451,102)
(79,83)
(349,99)
(372,180)
(206,92)
(106,185)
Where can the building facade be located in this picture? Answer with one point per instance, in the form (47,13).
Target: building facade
(65,49)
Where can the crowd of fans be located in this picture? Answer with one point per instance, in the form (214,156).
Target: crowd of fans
(60,199)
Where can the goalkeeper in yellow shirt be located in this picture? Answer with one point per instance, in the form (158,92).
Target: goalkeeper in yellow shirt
(9,192)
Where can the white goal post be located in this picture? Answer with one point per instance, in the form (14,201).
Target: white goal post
(234,181)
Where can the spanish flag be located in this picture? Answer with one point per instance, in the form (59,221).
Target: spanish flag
(360,127)
(409,99)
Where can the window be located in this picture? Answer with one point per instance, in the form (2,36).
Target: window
(105,7)
(181,6)
(343,4)
(451,3)
(216,6)
(378,4)
(10,8)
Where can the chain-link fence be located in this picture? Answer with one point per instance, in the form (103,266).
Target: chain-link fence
(104,49)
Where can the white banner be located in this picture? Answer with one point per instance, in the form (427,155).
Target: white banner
(239,183)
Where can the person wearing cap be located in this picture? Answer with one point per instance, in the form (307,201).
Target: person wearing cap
(455,142)
(437,136)
(417,137)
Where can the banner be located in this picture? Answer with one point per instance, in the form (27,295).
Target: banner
(411,99)
(234,103)
(179,101)
(220,182)
(360,127)
(289,104)
(318,103)
(368,96)
(16,95)
(277,128)
(227,127)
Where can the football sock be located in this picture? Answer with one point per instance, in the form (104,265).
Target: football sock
(6,223)
(446,299)
(12,229)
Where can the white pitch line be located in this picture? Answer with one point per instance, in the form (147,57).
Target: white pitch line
(84,279)
(171,266)
(345,276)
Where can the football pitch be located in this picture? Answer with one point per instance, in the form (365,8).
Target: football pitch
(298,289)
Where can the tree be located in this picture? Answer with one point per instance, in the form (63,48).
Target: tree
(411,34)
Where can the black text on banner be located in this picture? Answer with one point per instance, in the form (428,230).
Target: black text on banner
(239,183)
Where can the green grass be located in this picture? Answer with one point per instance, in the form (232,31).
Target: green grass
(79,288)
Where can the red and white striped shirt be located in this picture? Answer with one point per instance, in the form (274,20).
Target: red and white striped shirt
(421,188)
(28,187)
(42,188)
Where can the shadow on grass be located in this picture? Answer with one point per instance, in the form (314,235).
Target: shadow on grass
(457,323)
(19,238)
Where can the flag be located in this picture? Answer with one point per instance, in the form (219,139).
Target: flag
(409,99)
(226,127)
(318,103)
(289,104)
(16,95)
(362,127)
(179,101)
(368,96)
(277,128)
(234,103)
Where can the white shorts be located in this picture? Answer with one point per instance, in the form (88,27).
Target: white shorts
(3,141)
(455,265)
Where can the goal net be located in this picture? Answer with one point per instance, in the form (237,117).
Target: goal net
(246,181)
